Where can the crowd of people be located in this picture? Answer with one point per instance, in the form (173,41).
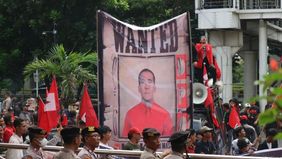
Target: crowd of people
(238,129)
(243,138)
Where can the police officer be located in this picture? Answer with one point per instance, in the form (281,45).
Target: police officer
(37,141)
(91,139)
(71,138)
(151,139)
(178,142)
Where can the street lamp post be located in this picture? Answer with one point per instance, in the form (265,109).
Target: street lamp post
(36,74)
(54,32)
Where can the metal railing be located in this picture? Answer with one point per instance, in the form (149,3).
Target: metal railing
(238,4)
(135,154)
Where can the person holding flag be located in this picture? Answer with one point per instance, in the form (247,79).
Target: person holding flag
(211,73)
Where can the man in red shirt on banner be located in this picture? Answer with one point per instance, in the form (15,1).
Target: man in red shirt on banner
(148,113)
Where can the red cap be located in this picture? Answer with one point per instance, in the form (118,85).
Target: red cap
(134,130)
(244,117)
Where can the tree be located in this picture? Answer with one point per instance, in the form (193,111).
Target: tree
(22,24)
(70,68)
(272,85)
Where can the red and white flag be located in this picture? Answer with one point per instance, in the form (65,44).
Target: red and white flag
(43,119)
(50,112)
(86,111)
(209,103)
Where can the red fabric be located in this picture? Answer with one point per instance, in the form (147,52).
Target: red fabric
(243,117)
(234,120)
(43,117)
(190,149)
(55,114)
(217,70)
(49,119)
(142,116)
(201,54)
(209,104)
(273,64)
(8,132)
(64,121)
(86,111)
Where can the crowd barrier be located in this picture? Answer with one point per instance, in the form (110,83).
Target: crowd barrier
(135,154)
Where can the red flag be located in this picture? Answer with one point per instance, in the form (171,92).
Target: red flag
(86,111)
(234,120)
(52,106)
(209,103)
(43,121)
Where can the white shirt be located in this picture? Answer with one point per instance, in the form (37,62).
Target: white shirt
(15,153)
(269,145)
(235,148)
(105,146)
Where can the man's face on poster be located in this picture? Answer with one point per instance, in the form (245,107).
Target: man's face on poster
(147,86)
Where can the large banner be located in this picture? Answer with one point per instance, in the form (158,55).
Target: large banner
(144,76)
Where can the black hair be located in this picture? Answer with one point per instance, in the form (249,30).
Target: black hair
(18,122)
(31,136)
(235,100)
(7,119)
(242,143)
(225,105)
(69,134)
(271,132)
(238,130)
(178,146)
(191,132)
(129,135)
(104,129)
(146,70)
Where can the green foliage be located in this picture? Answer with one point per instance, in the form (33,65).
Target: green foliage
(22,24)
(268,116)
(272,86)
(70,68)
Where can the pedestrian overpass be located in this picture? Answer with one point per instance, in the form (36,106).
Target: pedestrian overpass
(246,27)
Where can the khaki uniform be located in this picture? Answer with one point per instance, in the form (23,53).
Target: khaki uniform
(66,154)
(85,153)
(149,154)
(37,154)
(175,155)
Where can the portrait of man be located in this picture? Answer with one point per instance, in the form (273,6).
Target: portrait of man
(148,113)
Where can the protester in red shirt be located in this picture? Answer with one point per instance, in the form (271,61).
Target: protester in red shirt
(148,113)
(191,141)
(9,129)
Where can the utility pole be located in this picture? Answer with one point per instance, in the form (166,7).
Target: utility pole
(36,79)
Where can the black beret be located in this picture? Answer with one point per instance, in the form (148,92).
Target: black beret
(150,132)
(70,131)
(104,129)
(36,130)
(89,130)
(179,137)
